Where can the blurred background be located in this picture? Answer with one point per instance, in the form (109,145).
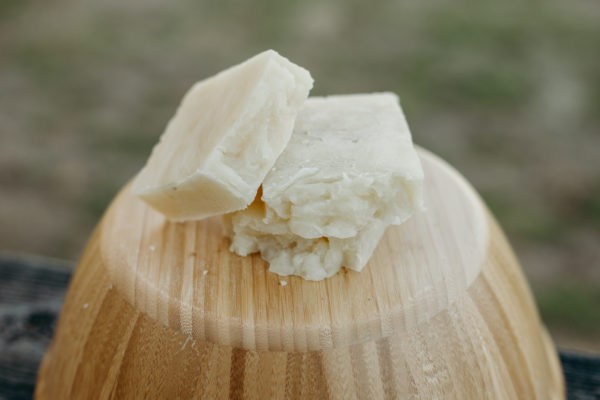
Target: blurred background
(507,91)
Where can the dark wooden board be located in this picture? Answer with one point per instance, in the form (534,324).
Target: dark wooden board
(31,293)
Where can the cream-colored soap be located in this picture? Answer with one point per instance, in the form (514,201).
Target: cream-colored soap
(349,171)
(289,254)
(224,138)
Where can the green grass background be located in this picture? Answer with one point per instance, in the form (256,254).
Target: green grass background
(506,91)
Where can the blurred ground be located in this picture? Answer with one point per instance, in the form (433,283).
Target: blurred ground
(508,92)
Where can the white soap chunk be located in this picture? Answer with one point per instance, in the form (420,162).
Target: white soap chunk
(349,171)
(350,162)
(224,139)
(289,254)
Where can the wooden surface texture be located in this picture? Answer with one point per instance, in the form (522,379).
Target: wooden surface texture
(442,311)
(183,275)
(31,292)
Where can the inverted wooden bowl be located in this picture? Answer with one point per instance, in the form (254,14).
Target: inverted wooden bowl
(163,310)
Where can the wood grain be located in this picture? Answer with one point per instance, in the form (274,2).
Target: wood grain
(418,269)
(441,311)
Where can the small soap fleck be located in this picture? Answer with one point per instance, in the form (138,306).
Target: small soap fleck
(152,247)
(85,306)
(283,282)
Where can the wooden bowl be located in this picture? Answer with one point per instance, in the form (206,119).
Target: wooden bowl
(164,310)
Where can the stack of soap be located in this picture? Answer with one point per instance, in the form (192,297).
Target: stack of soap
(310,183)
(349,171)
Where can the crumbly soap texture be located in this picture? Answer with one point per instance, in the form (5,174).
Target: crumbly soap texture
(310,184)
(349,171)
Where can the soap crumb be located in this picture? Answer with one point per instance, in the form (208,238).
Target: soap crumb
(205,272)
(283,282)
(187,339)
(152,247)
(86,305)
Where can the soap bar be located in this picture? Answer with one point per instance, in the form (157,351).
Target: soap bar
(226,135)
(349,171)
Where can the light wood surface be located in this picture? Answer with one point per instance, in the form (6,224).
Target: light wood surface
(418,269)
(441,311)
